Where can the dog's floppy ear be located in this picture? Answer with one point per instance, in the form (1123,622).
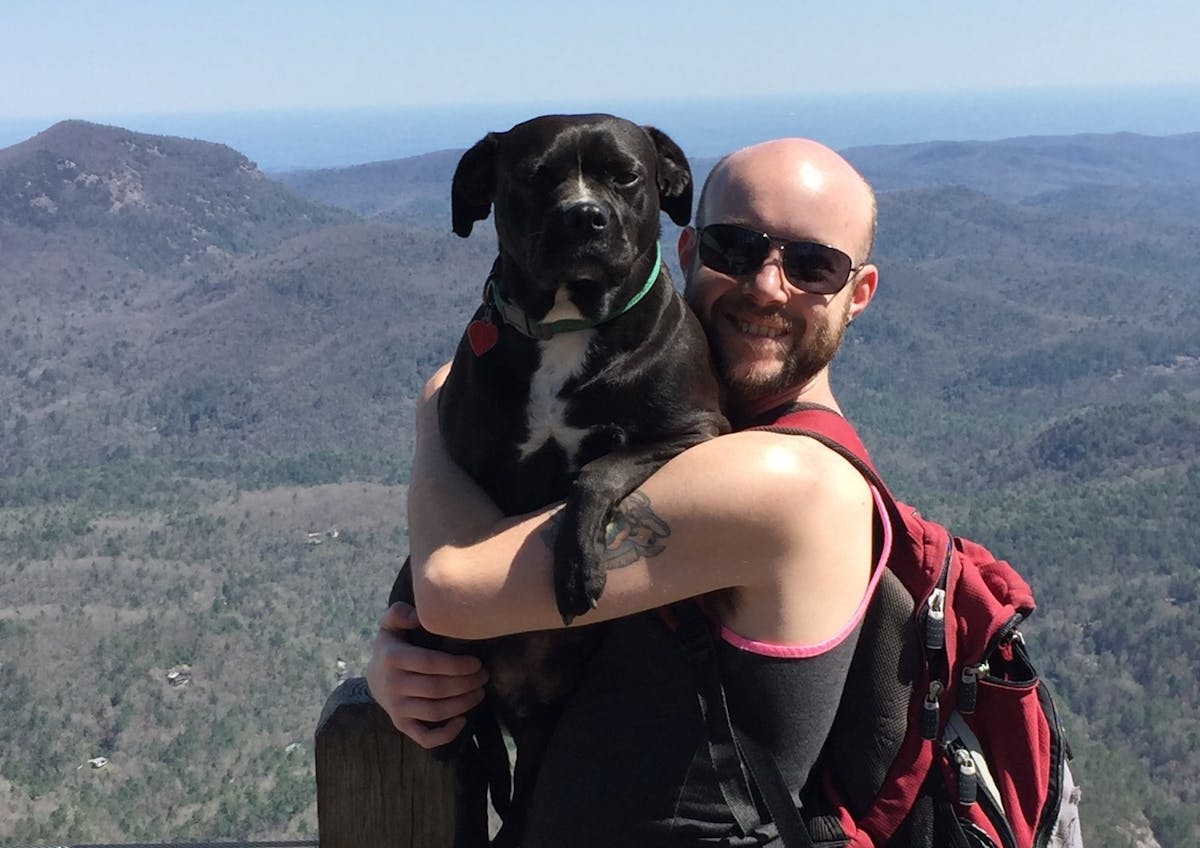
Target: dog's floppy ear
(474,185)
(674,178)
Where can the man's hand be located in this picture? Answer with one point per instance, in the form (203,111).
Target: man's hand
(425,693)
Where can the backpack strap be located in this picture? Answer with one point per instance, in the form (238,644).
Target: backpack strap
(836,433)
(827,427)
(691,627)
(730,749)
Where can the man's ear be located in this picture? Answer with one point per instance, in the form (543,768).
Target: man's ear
(686,248)
(474,185)
(866,282)
(674,178)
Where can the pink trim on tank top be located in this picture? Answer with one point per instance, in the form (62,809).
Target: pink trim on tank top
(774,649)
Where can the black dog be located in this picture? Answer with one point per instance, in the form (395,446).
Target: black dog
(582,372)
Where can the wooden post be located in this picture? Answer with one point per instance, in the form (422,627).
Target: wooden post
(376,788)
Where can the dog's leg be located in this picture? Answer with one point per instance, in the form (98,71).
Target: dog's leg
(580,570)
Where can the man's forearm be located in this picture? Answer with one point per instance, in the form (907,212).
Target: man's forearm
(445,506)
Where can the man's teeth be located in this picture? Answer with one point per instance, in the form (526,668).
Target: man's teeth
(761,330)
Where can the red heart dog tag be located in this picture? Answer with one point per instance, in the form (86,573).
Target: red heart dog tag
(482,336)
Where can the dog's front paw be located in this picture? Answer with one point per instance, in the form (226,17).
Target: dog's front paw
(579,574)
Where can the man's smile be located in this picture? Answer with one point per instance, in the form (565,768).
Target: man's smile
(771,327)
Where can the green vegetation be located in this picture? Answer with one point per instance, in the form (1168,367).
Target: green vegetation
(256,590)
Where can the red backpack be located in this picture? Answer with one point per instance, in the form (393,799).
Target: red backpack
(946,735)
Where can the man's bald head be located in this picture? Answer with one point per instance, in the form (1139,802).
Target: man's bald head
(796,180)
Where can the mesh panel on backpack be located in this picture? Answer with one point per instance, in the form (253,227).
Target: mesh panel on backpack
(872,719)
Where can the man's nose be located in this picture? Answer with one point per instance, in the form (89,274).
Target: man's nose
(768,284)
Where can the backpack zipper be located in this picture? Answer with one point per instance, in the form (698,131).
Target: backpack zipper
(968,690)
(933,639)
(972,790)
(934,616)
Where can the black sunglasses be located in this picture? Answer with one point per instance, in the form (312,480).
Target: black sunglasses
(809,266)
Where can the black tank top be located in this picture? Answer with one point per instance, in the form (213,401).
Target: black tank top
(629,762)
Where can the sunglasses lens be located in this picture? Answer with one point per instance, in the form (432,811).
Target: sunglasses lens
(816,268)
(728,249)
(809,266)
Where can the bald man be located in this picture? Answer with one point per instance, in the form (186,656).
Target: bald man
(778,533)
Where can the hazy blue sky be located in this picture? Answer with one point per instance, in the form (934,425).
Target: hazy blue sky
(120,57)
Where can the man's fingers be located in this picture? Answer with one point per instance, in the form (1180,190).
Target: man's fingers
(405,656)
(400,616)
(425,692)
(440,685)
(437,709)
(431,737)
(402,654)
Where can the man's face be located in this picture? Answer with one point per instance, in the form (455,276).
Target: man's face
(765,339)
(768,337)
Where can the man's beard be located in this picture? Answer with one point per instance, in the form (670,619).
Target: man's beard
(804,360)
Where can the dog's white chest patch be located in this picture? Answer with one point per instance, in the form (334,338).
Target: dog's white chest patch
(563,357)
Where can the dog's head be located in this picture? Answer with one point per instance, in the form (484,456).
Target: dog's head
(577,199)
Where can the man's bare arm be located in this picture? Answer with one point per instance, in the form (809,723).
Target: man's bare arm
(635,532)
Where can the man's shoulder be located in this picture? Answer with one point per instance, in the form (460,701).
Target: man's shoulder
(804,456)
(780,464)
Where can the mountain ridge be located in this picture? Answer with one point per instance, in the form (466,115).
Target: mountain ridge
(158,201)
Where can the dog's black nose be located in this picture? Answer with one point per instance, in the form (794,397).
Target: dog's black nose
(585,216)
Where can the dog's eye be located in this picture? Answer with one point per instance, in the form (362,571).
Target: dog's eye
(624,178)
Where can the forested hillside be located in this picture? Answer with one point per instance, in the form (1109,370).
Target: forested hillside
(206,384)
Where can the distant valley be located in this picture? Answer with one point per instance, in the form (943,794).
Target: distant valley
(206,389)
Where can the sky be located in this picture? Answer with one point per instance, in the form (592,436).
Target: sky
(70,58)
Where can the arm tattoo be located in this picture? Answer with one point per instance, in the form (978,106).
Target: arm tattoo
(635,532)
